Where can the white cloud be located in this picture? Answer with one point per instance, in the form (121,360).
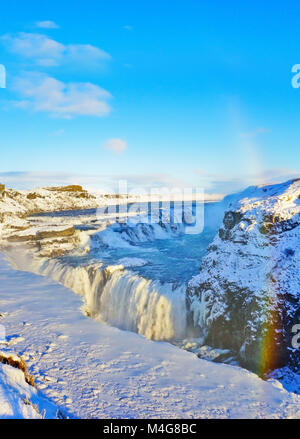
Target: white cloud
(42,93)
(116,145)
(48,24)
(44,50)
(48,52)
(127,27)
(84,52)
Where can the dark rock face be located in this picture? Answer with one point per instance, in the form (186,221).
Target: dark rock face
(247,295)
(231,219)
(234,330)
(56,233)
(32,196)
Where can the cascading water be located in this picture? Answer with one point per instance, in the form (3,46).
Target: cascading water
(137,304)
(120,297)
(150,297)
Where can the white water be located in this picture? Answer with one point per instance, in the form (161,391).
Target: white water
(136,304)
(118,297)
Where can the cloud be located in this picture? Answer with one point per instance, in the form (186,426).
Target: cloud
(277,175)
(127,27)
(153,180)
(105,182)
(116,145)
(85,52)
(44,50)
(48,24)
(42,93)
(48,52)
(221,183)
(137,182)
(30,180)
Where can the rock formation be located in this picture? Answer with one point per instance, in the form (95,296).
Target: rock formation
(246,297)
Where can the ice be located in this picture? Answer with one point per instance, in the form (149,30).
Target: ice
(132,262)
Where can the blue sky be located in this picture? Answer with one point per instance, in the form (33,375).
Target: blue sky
(181,93)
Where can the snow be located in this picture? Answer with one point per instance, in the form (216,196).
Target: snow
(93,370)
(19,400)
(132,262)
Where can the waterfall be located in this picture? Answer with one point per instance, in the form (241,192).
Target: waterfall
(117,296)
(150,308)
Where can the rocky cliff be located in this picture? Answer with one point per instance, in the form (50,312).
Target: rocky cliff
(246,297)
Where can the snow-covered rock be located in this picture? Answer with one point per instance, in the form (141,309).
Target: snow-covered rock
(246,297)
(15,206)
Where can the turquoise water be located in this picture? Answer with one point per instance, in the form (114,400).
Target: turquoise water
(175,259)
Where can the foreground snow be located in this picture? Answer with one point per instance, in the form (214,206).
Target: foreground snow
(94,370)
(20,400)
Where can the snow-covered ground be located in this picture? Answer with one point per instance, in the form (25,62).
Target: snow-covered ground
(92,370)
(20,400)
